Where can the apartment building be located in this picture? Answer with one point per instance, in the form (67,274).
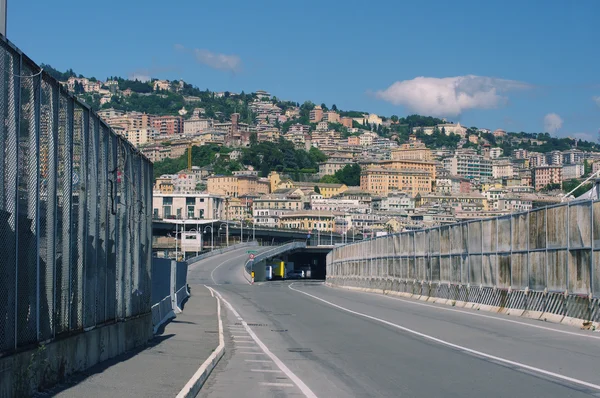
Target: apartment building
(196,125)
(299,129)
(396,202)
(141,136)
(240,184)
(331,166)
(521,154)
(341,205)
(346,121)
(414,149)
(310,220)
(495,153)
(267,210)
(502,169)
(382,181)
(544,175)
(183,206)
(354,140)
(428,166)
(367,139)
(570,171)
(466,163)
(168,124)
(452,185)
(456,200)
(316,114)
(331,117)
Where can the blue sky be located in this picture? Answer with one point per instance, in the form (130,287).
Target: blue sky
(519,65)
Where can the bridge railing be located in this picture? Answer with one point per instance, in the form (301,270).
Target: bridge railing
(75,212)
(543,255)
(221,251)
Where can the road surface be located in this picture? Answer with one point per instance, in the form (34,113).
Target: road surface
(306,339)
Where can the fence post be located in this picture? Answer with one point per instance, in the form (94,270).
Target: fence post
(172,287)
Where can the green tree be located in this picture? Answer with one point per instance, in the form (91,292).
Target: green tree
(334,108)
(324,107)
(316,155)
(394,118)
(349,175)
(329,179)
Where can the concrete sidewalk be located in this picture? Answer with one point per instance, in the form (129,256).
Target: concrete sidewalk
(164,366)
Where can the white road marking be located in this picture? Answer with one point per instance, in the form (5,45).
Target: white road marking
(240,337)
(456,346)
(255,353)
(266,370)
(277,384)
(258,360)
(413,302)
(214,269)
(299,383)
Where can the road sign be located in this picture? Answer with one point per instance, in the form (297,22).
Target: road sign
(251,252)
(251,256)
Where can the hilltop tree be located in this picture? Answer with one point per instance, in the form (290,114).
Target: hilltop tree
(334,108)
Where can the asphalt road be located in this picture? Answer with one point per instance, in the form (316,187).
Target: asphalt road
(306,339)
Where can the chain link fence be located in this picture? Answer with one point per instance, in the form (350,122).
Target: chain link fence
(75,212)
(553,249)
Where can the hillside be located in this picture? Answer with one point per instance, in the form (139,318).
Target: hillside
(219,106)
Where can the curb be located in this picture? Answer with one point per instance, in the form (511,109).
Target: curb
(193,386)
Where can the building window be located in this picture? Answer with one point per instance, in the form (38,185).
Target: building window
(167,201)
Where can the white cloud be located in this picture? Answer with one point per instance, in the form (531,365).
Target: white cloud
(450,96)
(596,99)
(552,123)
(219,61)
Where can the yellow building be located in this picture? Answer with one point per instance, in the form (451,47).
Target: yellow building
(414,149)
(406,164)
(239,184)
(310,220)
(490,185)
(163,185)
(327,190)
(382,181)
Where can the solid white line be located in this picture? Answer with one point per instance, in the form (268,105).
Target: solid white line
(224,261)
(214,356)
(240,337)
(258,360)
(456,346)
(277,384)
(249,352)
(303,387)
(413,302)
(266,370)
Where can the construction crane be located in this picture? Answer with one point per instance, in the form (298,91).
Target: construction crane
(189,151)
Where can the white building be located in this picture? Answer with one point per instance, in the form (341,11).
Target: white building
(182,206)
(495,153)
(341,205)
(570,171)
(395,202)
(195,125)
(141,136)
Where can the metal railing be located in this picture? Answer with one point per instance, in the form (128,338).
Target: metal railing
(221,251)
(75,212)
(169,289)
(550,249)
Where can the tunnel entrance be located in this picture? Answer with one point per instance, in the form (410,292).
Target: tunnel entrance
(310,259)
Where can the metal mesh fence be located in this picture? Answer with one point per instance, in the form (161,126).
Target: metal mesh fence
(555,249)
(75,221)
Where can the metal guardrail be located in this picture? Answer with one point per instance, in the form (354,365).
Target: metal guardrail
(75,212)
(169,289)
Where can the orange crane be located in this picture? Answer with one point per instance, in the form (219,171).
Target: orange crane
(189,151)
